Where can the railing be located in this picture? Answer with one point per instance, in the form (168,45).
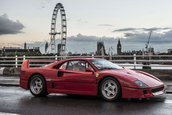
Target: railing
(130,61)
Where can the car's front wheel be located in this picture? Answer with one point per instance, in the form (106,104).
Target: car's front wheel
(37,86)
(110,89)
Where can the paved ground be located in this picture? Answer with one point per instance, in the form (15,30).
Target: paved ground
(9,81)
(15,100)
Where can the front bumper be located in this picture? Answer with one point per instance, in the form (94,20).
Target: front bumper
(142,92)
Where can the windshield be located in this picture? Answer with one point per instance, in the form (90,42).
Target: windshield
(102,64)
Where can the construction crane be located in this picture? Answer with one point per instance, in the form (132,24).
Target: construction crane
(147,44)
(147,52)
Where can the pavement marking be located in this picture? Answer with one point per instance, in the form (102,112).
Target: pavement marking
(168,101)
(3,113)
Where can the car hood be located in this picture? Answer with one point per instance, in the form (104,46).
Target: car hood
(133,75)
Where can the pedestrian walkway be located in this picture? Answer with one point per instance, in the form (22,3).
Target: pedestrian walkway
(9,81)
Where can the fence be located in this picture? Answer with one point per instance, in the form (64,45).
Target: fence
(130,61)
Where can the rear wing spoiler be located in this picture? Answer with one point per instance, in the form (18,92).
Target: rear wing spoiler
(26,63)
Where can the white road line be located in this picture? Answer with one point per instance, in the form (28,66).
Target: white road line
(3,113)
(168,101)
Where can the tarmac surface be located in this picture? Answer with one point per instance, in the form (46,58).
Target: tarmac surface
(9,81)
(15,100)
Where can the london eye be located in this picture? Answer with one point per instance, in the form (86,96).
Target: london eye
(60,30)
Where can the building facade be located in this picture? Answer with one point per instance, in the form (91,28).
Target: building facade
(119,48)
(170,51)
(100,48)
(5,51)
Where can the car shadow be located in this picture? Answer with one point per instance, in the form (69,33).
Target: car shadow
(84,98)
(58,102)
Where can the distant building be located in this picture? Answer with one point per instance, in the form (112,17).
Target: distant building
(25,46)
(69,54)
(80,54)
(14,50)
(0,52)
(119,48)
(59,46)
(46,46)
(139,52)
(150,51)
(170,51)
(60,49)
(100,48)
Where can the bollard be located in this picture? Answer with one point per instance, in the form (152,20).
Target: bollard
(24,57)
(55,57)
(16,64)
(134,61)
(92,55)
(110,57)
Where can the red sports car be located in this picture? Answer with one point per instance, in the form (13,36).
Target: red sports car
(89,76)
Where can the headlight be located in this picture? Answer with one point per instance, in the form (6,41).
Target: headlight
(140,83)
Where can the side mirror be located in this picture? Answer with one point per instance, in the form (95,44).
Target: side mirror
(89,69)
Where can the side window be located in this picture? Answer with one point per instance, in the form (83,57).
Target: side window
(88,65)
(70,65)
(63,66)
(78,66)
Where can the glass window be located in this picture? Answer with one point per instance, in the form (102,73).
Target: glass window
(78,65)
(102,64)
(63,66)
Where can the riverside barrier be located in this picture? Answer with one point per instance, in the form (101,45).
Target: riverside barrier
(159,65)
(128,61)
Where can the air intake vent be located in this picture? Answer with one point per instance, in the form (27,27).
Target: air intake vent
(157,89)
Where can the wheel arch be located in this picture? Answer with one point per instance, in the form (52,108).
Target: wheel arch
(32,76)
(108,77)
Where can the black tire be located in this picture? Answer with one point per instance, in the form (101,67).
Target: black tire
(37,86)
(110,92)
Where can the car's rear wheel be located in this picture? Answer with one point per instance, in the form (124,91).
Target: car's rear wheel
(37,86)
(110,89)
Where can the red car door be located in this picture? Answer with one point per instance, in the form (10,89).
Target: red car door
(76,80)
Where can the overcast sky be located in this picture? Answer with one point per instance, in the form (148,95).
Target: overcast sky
(130,20)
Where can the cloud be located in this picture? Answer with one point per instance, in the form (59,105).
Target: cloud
(141,29)
(125,29)
(80,43)
(129,34)
(132,41)
(155,29)
(8,26)
(109,25)
(156,38)
(84,38)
